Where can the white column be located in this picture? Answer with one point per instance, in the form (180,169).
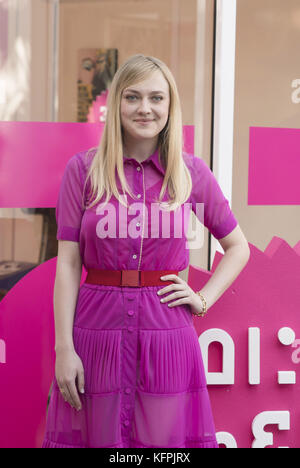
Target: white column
(53,53)
(224,100)
(199,116)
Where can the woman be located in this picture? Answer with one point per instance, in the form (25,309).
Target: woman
(129,370)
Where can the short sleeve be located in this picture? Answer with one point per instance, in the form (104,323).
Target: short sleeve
(69,209)
(216,214)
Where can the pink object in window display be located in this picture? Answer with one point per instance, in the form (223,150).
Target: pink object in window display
(98,109)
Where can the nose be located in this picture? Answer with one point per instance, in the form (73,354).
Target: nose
(144,106)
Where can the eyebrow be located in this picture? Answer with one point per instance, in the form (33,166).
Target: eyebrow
(137,92)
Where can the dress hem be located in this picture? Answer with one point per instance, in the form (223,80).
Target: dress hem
(135,444)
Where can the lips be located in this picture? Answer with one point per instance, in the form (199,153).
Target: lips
(144,121)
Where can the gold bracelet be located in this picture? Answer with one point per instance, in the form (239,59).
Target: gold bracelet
(204,311)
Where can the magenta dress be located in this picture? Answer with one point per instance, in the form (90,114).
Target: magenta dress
(145,384)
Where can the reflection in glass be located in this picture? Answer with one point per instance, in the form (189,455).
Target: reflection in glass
(27,239)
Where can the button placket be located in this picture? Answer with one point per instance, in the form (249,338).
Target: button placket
(129,342)
(143,216)
(137,186)
(129,360)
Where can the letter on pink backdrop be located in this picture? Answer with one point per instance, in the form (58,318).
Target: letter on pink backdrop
(266,295)
(274,166)
(33,156)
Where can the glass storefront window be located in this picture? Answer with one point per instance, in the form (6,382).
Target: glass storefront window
(266,97)
(28,238)
(63,55)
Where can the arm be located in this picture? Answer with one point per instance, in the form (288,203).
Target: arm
(68,366)
(218,218)
(235,258)
(67,282)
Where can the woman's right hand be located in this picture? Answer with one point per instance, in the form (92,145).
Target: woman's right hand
(68,368)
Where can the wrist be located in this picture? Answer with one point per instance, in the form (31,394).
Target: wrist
(64,348)
(203,303)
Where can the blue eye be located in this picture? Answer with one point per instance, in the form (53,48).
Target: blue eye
(156,98)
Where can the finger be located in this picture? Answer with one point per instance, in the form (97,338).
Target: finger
(184,300)
(63,393)
(66,394)
(175,295)
(76,403)
(171,287)
(171,278)
(80,381)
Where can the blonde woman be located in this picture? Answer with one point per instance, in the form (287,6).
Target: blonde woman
(129,370)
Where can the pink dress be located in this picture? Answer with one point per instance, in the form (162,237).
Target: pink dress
(145,383)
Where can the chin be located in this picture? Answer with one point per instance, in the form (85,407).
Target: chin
(144,133)
(145,136)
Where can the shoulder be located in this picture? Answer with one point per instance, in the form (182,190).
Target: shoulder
(85,157)
(196,165)
(82,160)
(75,170)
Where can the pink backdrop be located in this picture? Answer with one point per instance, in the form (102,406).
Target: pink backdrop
(265,296)
(274,166)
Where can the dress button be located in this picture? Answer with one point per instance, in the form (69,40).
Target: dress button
(134,256)
(130,312)
(130,328)
(138,224)
(126,422)
(139,195)
(138,168)
(127,390)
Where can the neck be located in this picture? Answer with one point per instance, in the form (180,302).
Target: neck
(139,150)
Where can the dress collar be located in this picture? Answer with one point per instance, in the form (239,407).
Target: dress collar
(153,158)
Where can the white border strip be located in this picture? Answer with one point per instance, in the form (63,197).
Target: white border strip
(199,77)
(224,100)
(53,59)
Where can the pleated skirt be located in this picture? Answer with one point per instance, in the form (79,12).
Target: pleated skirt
(145,383)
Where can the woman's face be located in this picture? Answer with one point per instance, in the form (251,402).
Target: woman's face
(145,107)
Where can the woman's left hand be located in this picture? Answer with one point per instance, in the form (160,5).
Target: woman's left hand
(182,292)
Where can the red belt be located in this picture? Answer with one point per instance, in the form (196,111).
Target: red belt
(135,278)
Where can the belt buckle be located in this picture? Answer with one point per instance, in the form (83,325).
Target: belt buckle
(130,278)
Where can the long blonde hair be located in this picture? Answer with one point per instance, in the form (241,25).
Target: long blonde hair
(109,154)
